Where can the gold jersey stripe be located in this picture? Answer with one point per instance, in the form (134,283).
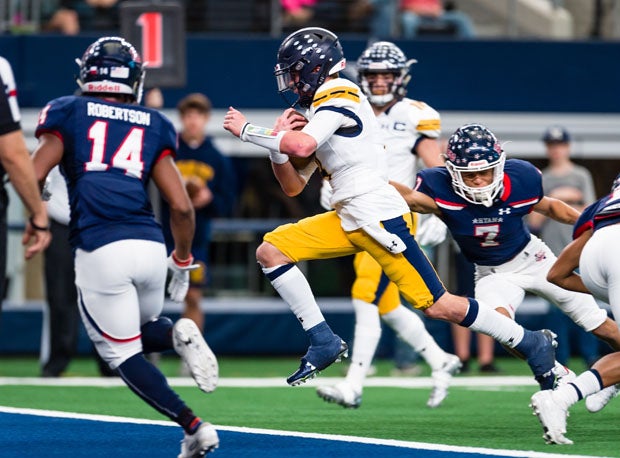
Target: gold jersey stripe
(343,92)
(429,124)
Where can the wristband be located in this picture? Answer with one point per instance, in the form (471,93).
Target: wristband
(182,262)
(37,227)
(277,157)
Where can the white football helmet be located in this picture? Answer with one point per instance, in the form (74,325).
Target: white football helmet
(384,57)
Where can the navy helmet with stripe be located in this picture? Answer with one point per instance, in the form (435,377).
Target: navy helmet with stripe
(305,58)
(111,65)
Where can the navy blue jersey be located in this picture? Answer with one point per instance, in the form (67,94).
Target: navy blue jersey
(604,212)
(109,152)
(487,235)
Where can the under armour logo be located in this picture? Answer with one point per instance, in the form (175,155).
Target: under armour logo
(504,211)
(392,247)
(540,256)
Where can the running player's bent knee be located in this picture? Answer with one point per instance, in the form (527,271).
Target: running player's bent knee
(268,255)
(448,308)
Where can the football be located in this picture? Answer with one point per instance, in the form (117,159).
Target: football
(193,185)
(297,114)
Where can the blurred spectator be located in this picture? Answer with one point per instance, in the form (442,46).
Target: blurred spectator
(211,184)
(154,98)
(567,181)
(74,16)
(485,345)
(297,13)
(380,16)
(432,16)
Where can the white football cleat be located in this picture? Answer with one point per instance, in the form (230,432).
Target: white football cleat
(597,401)
(191,346)
(341,393)
(442,379)
(552,417)
(203,441)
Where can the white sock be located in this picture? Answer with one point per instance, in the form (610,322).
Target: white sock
(410,327)
(588,383)
(365,341)
(492,323)
(293,287)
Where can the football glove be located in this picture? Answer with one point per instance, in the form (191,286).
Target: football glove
(432,231)
(179,283)
(326,196)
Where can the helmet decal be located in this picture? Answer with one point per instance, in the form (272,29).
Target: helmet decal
(111,65)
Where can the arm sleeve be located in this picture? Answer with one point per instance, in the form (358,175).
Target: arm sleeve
(324,123)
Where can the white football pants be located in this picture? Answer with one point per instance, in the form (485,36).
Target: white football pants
(505,286)
(120,287)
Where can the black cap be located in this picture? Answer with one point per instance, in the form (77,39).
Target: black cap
(556,134)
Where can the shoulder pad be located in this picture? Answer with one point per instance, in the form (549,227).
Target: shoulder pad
(339,93)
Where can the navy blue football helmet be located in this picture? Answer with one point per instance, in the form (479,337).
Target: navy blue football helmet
(384,57)
(305,59)
(111,65)
(474,148)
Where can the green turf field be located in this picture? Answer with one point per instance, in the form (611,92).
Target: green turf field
(481,417)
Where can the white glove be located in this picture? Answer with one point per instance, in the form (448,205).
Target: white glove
(179,283)
(431,231)
(326,196)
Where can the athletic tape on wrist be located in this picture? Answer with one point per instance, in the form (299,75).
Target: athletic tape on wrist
(262,136)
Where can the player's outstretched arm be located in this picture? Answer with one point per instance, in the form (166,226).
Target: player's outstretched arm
(557,210)
(417,201)
(562,273)
(292,181)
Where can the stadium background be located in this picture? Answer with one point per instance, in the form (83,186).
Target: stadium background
(517,87)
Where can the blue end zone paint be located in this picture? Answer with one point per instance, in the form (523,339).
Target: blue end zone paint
(38,436)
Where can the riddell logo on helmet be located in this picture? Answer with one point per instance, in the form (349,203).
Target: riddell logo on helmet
(102,87)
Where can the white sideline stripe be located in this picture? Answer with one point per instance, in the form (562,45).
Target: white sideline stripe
(272,432)
(278,382)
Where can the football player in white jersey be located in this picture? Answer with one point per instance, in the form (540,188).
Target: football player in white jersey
(410,130)
(595,251)
(343,137)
